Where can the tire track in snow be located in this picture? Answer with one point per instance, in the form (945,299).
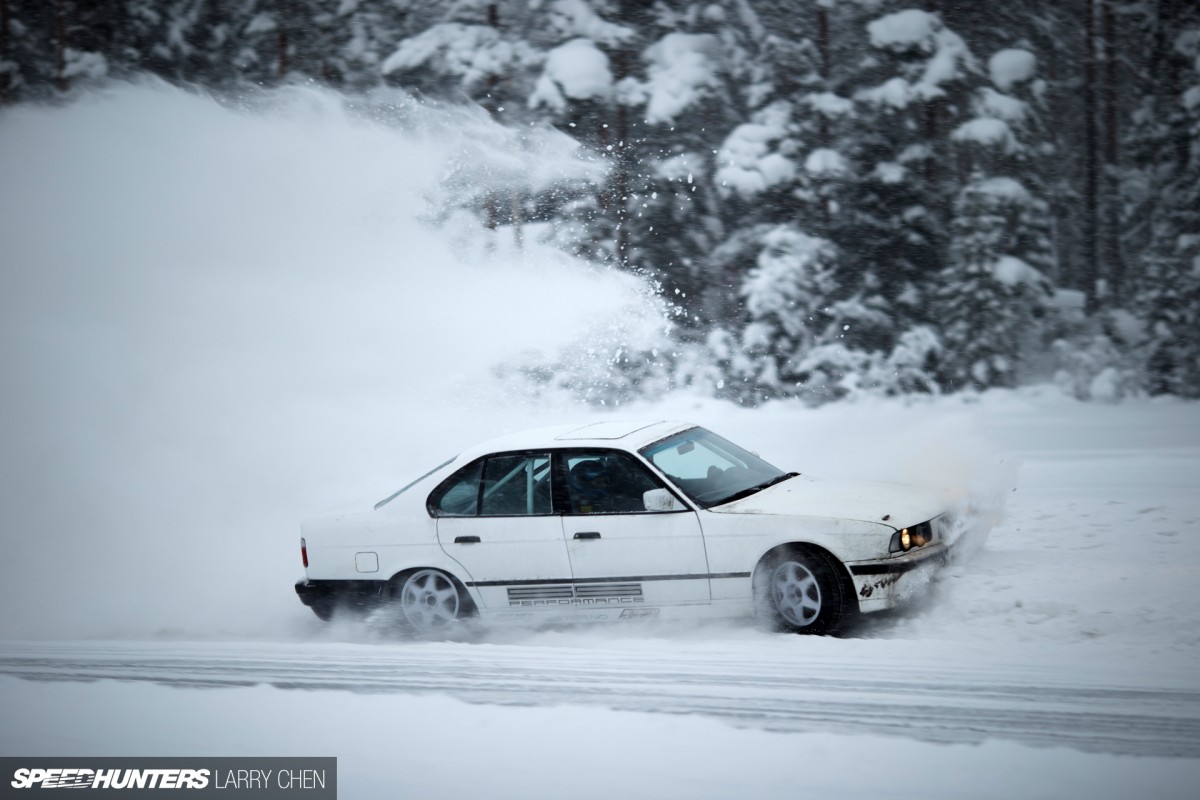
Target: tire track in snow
(926,700)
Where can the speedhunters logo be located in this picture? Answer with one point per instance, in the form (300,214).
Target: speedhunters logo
(75,778)
(311,778)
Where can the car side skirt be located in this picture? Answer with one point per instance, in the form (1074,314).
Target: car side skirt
(629,579)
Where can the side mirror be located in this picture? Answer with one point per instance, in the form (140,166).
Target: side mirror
(661,500)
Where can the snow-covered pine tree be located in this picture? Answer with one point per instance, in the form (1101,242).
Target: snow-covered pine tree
(787,316)
(212,43)
(1006,138)
(582,88)
(156,36)
(483,51)
(1089,354)
(910,91)
(1049,31)
(782,164)
(682,95)
(362,35)
(477,49)
(991,298)
(994,293)
(267,53)
(783,170)
(1170,294)
(292,40)
(51,47)
(18,53)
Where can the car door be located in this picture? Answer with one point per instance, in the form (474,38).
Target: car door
(621,553)
(496,518)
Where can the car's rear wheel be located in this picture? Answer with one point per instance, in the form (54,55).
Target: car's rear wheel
(802,591)
(430,600)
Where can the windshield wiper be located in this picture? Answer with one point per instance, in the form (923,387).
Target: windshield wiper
(756,489)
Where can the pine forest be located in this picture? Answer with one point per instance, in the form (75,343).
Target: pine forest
(834,198)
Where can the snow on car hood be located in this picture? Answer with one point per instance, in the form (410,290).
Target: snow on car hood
(893,504)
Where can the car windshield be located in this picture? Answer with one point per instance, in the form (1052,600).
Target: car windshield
(711,470)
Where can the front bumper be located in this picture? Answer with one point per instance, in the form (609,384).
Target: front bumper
(887,583)
(328,597)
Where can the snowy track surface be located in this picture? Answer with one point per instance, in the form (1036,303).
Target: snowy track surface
(925,700)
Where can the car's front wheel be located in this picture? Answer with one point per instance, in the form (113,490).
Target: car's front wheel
(802,591)
(430,600)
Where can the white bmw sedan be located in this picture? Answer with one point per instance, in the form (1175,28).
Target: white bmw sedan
(619,521)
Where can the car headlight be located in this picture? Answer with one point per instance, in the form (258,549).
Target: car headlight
(906,539)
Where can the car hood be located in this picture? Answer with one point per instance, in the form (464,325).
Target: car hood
(892,504)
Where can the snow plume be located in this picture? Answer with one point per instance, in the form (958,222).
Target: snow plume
(485,165)
(221,318)
(927,443)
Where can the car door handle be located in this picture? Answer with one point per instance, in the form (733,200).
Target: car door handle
(466,540)
(588,535)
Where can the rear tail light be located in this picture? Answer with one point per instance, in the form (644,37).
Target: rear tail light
(304,552)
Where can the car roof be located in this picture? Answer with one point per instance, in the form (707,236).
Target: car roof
(616,433)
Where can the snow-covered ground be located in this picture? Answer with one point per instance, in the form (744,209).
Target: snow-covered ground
(216,322)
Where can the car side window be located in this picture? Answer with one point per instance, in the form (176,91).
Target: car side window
(516,484)
(606,482)
(458,495)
